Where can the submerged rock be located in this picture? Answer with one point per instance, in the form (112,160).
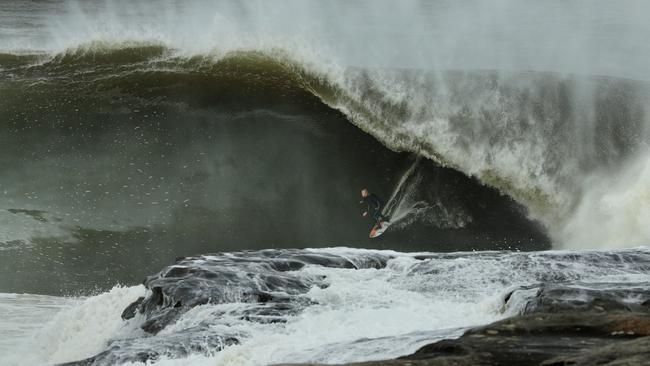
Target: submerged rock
(131,310)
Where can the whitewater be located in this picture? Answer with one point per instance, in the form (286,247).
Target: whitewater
(385,304)
(559,125)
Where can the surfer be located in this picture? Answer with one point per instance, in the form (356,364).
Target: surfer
(375,205)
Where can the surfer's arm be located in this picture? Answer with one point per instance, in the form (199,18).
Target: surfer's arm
(365,213)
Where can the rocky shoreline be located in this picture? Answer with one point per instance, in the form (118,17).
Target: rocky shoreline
(577,338)
(563,318)
(561,326)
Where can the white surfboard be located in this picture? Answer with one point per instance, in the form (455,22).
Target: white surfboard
(375,232)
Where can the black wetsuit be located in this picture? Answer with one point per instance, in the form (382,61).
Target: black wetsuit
(374,206)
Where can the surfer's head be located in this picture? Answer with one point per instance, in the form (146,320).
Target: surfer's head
(364,192)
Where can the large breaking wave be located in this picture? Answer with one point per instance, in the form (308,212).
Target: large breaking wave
(572,149)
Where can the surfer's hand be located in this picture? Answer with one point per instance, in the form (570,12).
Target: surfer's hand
(364,214)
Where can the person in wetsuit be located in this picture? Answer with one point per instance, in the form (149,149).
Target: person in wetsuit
(374,204)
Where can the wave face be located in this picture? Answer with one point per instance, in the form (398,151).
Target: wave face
(107,147)
(331,305)
(571,149)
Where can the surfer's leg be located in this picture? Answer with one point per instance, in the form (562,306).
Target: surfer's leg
(378,217)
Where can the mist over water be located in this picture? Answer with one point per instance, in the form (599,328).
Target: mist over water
(585,37)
